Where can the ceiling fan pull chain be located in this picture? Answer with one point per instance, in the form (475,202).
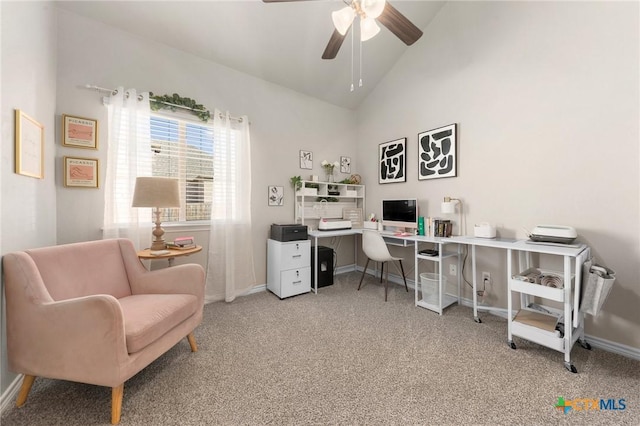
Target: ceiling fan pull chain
(352,53)
(360,69)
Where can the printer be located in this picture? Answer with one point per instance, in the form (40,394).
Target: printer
(292,232)
(553,234)
(334,224)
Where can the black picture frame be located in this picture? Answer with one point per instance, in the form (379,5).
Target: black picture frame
(438,153)
(392,161)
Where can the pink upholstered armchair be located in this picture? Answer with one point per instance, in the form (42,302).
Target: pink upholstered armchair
(92,313)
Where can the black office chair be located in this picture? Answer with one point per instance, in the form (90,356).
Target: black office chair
(376,249)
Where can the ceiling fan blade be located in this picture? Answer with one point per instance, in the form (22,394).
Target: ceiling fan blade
(398,24)
(333,46)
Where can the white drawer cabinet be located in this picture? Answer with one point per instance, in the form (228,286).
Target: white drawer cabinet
(288,267)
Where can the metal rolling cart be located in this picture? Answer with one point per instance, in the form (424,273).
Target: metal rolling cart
(554,328)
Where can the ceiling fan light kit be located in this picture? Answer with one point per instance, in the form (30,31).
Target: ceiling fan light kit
(368,11)
(368,29)
(342,19)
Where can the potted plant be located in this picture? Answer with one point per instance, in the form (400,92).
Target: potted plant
(296,182)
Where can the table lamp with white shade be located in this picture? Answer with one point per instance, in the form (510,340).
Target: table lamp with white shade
(448,206)
(158,193)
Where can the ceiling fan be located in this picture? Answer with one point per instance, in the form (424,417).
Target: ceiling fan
(368,11)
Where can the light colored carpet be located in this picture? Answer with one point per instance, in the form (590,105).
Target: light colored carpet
(344,357)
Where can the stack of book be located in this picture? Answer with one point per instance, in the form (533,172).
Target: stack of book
(442,228)
(182,243)
(434,227)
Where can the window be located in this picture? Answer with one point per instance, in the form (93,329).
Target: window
(183,150)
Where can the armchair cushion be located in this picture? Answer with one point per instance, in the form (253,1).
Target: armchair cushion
(147,317)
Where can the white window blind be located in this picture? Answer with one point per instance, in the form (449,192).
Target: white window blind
(183,150)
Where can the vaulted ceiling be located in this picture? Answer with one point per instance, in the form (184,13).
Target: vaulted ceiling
(278,42)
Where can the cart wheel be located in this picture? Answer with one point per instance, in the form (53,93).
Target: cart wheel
(585,344)
(478,320)
(512,345)
(571,368)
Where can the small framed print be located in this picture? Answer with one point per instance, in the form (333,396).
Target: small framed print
(29,145)
(276,195)
(345,164)
(81,172)
(392,161)
(306,159)
(79,132)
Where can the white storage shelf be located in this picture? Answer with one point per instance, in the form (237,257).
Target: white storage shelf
(442,300)
(308,207)
(539,290)
(573,321)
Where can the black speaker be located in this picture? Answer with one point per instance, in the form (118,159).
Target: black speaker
(325,262)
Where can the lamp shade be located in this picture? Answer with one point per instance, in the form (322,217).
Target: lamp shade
(373,8)
(368,28)
(343,18)
(156,192)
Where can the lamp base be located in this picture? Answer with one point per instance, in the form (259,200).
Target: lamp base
(158,245)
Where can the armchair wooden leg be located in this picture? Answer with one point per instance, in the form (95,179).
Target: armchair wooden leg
(27,382)
(116,403)
(192,342)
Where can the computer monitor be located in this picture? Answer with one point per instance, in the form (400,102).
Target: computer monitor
(401,213)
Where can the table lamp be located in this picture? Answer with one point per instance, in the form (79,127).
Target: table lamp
(156,192)
(448,206)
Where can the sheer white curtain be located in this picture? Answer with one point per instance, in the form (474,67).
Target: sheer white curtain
(230,271)
(128,156)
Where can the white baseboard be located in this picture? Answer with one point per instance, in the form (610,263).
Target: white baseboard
(9,395)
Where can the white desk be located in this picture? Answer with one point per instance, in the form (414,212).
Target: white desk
(569,295)
(501,243)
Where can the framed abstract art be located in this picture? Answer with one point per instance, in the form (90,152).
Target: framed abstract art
(392,161)
(437,155)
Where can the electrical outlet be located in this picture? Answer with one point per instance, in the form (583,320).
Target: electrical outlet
(453,269)
(486,278)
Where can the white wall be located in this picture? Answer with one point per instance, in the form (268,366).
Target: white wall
(282,121)
(546,97)
(28,208)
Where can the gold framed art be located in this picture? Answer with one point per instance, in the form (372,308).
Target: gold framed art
(79,132)
(29,146)
(81,172)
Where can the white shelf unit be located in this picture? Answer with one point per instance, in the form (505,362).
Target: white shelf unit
(308,206)
(568,296)
(444,300)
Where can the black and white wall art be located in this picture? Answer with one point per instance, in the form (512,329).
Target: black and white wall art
(276,195)
(306,159)
(392,161)
(437,153)
(345,164)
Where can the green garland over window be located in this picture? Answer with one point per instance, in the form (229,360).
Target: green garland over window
(164,102)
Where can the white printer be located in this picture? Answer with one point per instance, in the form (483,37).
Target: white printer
(334,224)
(553,234)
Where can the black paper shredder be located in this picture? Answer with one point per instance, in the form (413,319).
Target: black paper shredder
(325,262)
